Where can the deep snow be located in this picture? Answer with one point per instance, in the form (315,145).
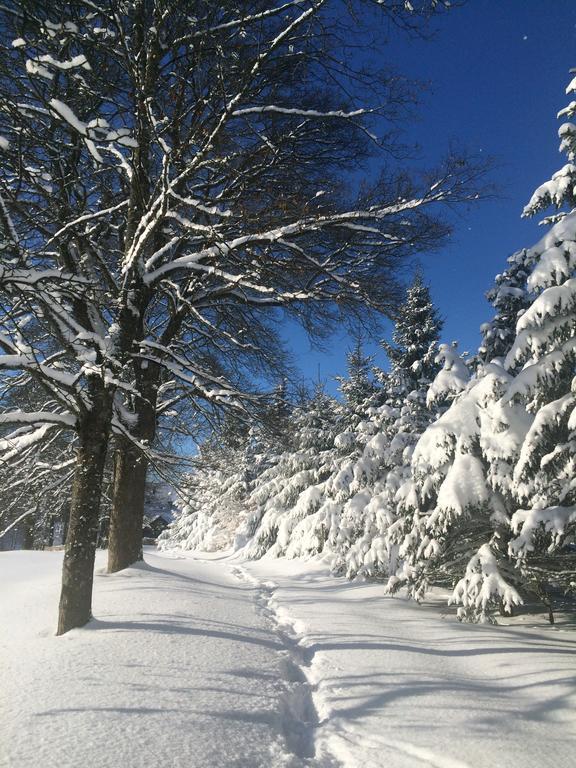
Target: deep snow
(401,686)
(177,671)
(217,663)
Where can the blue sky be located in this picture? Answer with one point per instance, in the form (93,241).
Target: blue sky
(497,73)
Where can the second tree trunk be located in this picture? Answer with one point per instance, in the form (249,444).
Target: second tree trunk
(130,470)
(127,517)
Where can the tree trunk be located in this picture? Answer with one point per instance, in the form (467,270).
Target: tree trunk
(130,465)
(29,532)
(78,568)
(127,517)
(49,539)
(130,470)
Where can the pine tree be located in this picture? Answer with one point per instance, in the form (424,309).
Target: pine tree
(327,517)
(412,367)
(512,429)
(214,512)
(355,505)
(411,534)
(290,490)
(412,352)
(212,503)
(510,298)
(358,386)
(476,549)
(544,354)
(560,190)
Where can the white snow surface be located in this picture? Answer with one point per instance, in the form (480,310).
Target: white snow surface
(206,661)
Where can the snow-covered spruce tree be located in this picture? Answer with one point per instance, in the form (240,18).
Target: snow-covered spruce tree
(354,506)
(358,387)
(319,527)
(560,190)
(416,497)
(461,498)
(413,365)
(513,450)
(471,517)
(412,352)
(335,521)
(544,356)
(290,489)
(324,517)
(136,216)
(487,582)
(214,496)
(512,441)
(510,298)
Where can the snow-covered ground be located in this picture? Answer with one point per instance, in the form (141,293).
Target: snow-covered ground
(398,685)
(216,663)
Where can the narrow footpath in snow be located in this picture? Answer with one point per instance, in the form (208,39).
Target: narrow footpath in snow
(216,663)
(397,685)
(179,670)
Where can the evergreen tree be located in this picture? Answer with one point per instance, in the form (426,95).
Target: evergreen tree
(508,441)
(411,535)
(412,352)
(289,490)
(413,365)
(560,190)
(214,509)
(212,504)
(544,356)
(510,298)
(355,505)
(328,516)
(476,549)
(358,386)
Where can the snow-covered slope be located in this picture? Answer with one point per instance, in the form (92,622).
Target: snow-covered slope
(217,663)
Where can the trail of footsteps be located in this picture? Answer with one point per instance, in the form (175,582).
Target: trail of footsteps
(298,716)
(336,744)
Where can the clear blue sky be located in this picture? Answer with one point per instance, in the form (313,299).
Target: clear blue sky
(498,70)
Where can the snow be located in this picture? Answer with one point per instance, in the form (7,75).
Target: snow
(65,113)
(526,523)
(552,192)
(463,487)
(451,379)
(179,669)
(483,585)
(395,684)
(75,61)
(33,68)
(209,662)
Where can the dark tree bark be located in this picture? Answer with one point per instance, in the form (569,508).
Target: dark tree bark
(29,532)
(126,520)
(78,568)
(130,470)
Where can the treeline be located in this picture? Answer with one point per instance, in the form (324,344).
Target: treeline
(441,470)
